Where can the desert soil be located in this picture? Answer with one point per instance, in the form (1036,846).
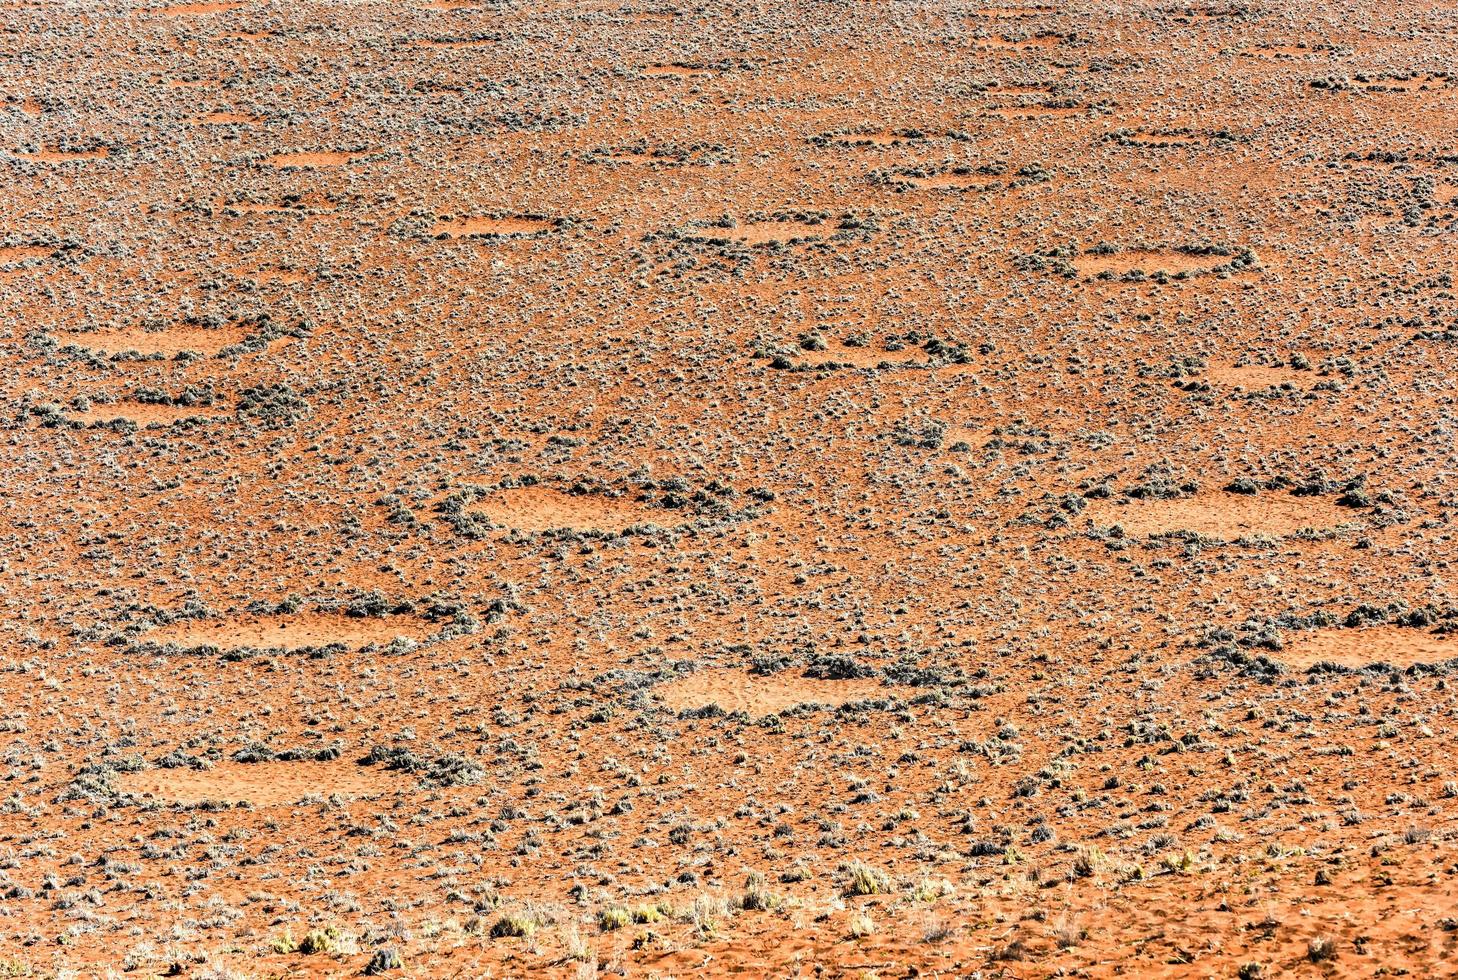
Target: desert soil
(513,488)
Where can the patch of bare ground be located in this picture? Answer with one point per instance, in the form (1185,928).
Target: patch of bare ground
(535,509)
(296,632)
(945,181)
(311,159)
(10,254)
(198,9)
(508,227)
(63,155)
(1388,644)
(1222,516)
(736,690)
(283,277)
(263,784)
(765,232)
(1255,376)
(173,340)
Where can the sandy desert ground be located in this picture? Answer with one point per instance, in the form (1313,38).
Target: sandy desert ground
(844,489)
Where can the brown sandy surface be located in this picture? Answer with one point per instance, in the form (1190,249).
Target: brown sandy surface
(260,784)
(286,632)
(1225,516)
(732,690)
(520,488)
(1389,645)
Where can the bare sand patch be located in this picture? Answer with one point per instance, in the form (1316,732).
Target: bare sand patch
(1399,646)
(174,340)
(943,181)
(779,231)
(1151,261)
(1254,376)
(197,9)
(735,690)
(19,253)
(491,227)
(289,632)
(861,357)
(765,232)
(65,156)
(1225,516)
(311,159)
(545,509)
(259,783)
(228,119)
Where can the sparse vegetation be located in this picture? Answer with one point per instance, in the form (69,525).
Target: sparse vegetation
(514,489)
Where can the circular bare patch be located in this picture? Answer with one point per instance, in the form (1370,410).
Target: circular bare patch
(291,633)
(1399,646)
(733,690)
(1227,516)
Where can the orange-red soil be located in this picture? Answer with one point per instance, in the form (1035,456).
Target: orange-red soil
(518,488)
